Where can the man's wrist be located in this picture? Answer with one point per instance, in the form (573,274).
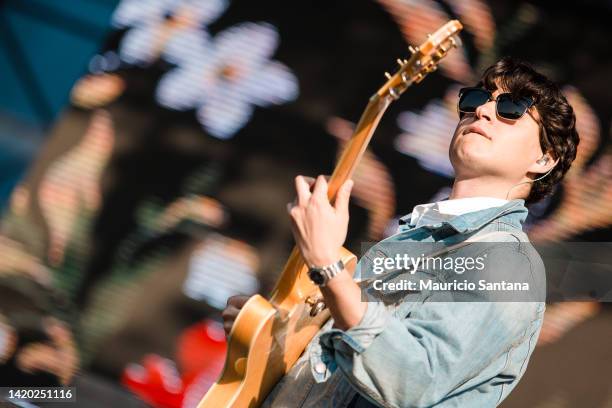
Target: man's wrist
(323,274)
(320,262)
(339,281)
(343,298)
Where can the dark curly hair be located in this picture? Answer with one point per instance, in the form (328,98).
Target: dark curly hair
(558,135)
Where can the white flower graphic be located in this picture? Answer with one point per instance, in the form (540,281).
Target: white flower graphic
(155,22)
(224,77)
(427,135)
(221,267)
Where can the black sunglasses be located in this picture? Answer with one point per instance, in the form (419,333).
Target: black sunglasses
(506,106)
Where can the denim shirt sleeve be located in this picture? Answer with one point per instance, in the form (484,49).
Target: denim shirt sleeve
(423,358)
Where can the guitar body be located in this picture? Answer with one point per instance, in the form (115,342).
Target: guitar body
(268,337)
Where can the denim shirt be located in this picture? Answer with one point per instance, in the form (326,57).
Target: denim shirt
(423,352)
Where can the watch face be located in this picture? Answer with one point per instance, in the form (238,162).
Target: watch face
(316,276)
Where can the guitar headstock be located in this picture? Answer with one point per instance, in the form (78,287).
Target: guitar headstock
(423,60)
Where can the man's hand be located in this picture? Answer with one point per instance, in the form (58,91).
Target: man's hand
(318,227)
(58,357)
(320,230)
(234,304)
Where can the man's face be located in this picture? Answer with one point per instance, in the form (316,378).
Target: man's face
(485,144)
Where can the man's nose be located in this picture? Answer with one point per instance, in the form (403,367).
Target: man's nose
(486,110)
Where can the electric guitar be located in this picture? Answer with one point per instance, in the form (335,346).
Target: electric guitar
(269,335)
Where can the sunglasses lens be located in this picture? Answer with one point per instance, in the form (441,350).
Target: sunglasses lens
(472,99)
(511,109)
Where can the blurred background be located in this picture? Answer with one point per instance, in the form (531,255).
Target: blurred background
(148,150)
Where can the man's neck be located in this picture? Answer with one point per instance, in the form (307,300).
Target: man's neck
(487,187)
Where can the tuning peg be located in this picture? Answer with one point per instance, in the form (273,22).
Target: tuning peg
(455,41)
(401,62)
(412,49)
(388,75)
(393,93)
(405,77)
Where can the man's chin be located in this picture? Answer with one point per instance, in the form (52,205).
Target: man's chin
(474,164)
(472,155)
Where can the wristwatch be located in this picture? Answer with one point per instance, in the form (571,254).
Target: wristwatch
(320,275)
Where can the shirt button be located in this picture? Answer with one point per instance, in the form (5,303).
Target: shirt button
(320,368)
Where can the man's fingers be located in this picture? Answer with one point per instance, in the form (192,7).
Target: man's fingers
(304,194)
(303,191)
(230,313)
(37,356)
(41,357)
(65,359)
(343,196)
(320,188)
(237,300)
(309,180)
(58,332)
(312,180)
(293,209)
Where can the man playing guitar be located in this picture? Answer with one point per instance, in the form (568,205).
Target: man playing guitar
(515,140)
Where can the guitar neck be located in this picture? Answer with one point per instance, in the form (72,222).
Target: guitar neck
(355,148)
(347,163)
(423,60)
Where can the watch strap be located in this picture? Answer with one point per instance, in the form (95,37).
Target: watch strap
(325,273)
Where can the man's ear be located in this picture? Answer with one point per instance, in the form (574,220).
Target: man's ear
(543,165)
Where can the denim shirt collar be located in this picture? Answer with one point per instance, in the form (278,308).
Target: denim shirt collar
(514,212)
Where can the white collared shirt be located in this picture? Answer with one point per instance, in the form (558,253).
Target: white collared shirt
(447,209)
